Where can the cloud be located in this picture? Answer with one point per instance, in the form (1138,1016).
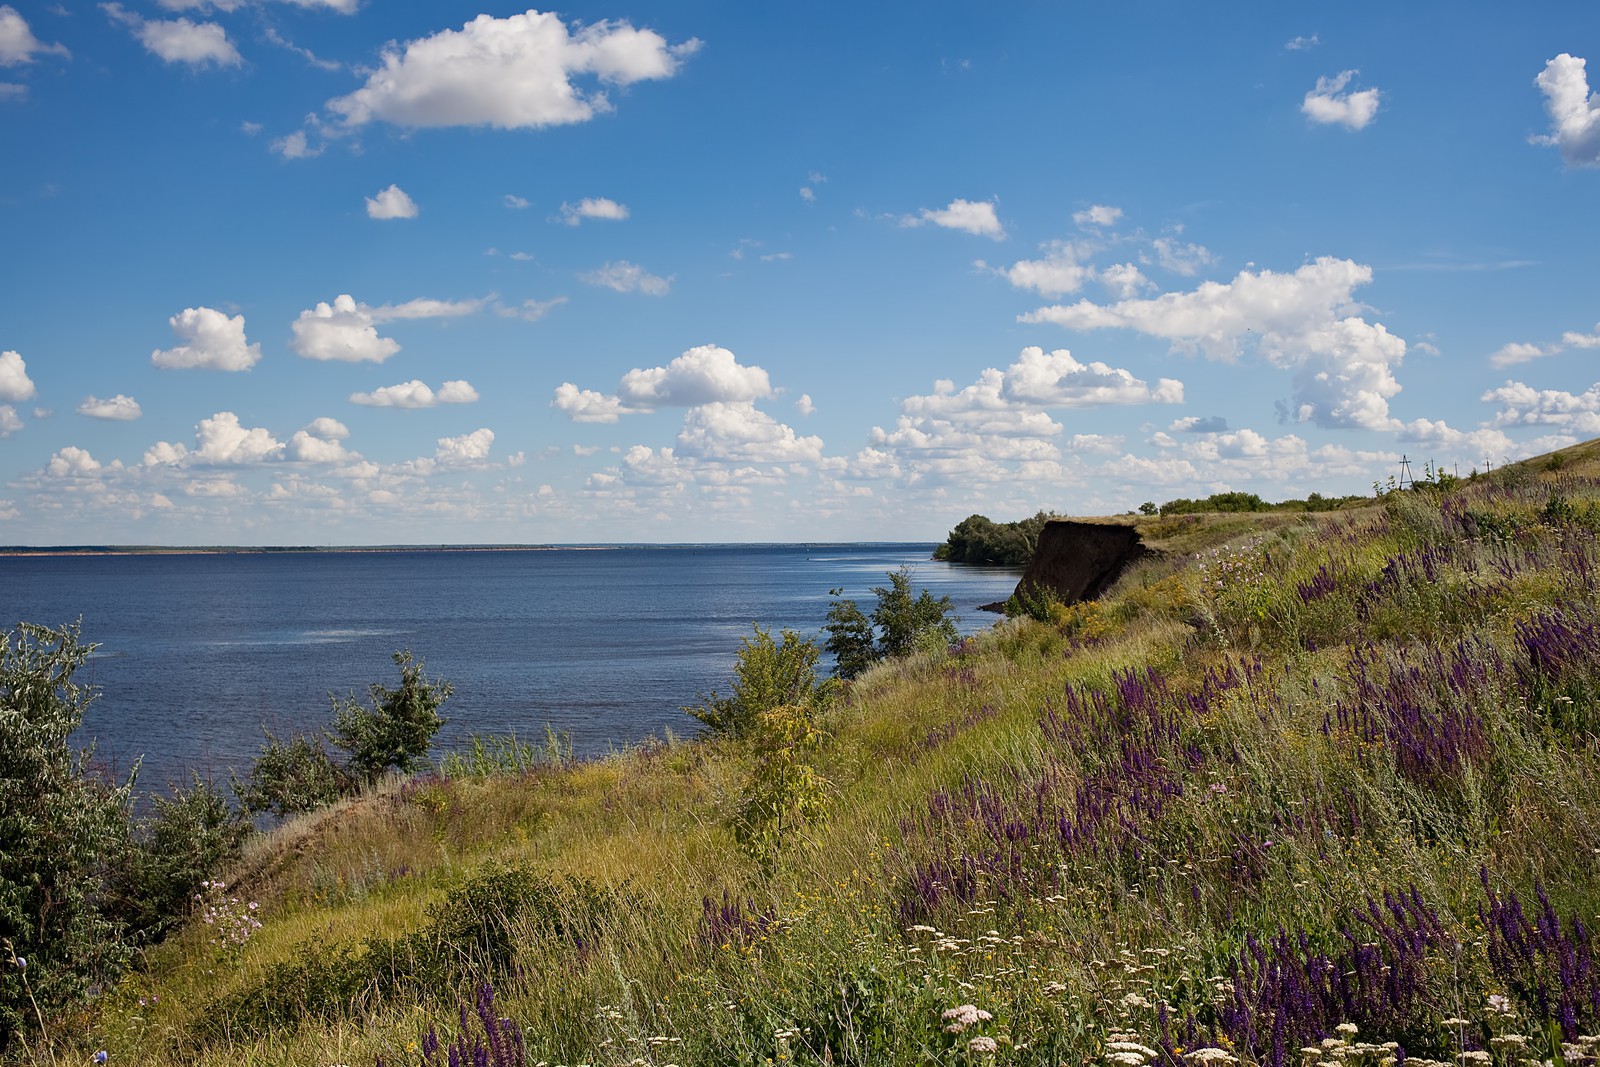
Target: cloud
(15,385)
(117,409)
(18,45)
(1523,405)
(587,405)
(1574,112)
(9,422)
(627,277)
(179,40)
(296,146)
(466,450)
(1056,380)
(415,394)
(1302,44)
(706,374)
(1522,352)
(1329,104)
(514,202)
(804,405)
(1304,322)
(738,432)
(72,462)
(344,331)
(328,429)
(212,341)
(220,441)
(530,310)
(1184,259)
(512,73)
(347,330)
(974,217)
(593,208)
(1097,215)
(391,203)
(1059,272)
(1582,340)
(1196,424)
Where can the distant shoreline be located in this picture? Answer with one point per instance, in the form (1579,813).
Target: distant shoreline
(265,550)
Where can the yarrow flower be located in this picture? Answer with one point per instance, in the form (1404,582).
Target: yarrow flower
(959,1018)
(982,1044)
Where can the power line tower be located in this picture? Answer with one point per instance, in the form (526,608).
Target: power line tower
(1405,478)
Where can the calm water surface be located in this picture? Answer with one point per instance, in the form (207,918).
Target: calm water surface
(198,652)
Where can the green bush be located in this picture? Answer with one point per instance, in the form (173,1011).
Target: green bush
(291,777)
(192,835)
(397,730)
(766,675)
(59,825)
(899,625)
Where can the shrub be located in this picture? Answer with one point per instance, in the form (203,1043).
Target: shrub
(783,792)
(766,675)
(291,777)
(192,835)
(897,626)
(977,539)
(58,825)
(397,730)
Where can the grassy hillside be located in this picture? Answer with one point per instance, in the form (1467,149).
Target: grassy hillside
(1303,786)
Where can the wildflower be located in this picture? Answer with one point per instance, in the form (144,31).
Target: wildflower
(1499,1002)
(982,1044)
(959,1018)
(1347,1029)
(1211,1055)
(100,1057)
(1125,1059)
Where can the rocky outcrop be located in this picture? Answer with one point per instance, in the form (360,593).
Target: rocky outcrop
(1079,560)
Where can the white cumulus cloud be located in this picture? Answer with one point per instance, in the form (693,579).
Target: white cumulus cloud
(15,385)
(1305,322)
(514,72)
(344,330)
(212,340)
(220,441)
(1330,104)
(739,432)
(969,216)
(705,374)
(1582,340)
(1574,111)
(1521,352)
(586,405)
(72,462)
(1523,405)
(593,207)
(1097,215)
(118,408)
(391,203)
(179,40)
(469,448)
(417,394)
(18,45)
(627,277)
(1056,379)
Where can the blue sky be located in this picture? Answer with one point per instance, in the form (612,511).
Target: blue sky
(349,272)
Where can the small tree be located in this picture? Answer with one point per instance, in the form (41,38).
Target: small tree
(58,826)
(766,675)
(899,625)
(397,730)
(782,793)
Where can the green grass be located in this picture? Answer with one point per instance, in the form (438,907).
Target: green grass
(1282,816)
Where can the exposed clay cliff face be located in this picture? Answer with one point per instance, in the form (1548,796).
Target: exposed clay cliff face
(1079,560)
